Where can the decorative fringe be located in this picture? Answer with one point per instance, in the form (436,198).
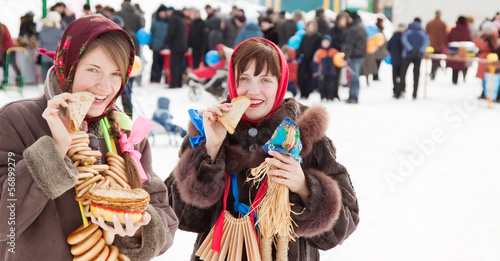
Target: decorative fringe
(235,232)
(274,211)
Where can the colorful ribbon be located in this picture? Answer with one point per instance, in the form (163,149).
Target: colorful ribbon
(140,129)
(197,121)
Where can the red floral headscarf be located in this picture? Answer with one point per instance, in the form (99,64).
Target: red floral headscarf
(282,83)
(77,36)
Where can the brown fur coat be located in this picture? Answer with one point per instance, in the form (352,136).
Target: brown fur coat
(331,213)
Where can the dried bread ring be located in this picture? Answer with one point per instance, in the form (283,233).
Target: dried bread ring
(109,237)
(88,182)
(117,178)
(81,144)
(87,169)
(123,257)
(86,244)
(99,167)
(89,161)
(115,156)
(85,175)
(91,153)
(94,251)
(75,150)
(76,163)
(120,173)
(79,135)
(81,140)
(113,253)
(116,163)
(104,253)
(81,233)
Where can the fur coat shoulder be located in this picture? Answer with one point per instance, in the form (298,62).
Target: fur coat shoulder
(326,220)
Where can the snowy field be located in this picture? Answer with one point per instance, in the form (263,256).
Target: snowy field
(425,171)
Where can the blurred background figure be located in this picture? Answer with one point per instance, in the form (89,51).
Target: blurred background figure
(250,30)
(437,36)
(487,42)
(395,47)
(195,38)
(382,51)
(159,29)
(355,52)
(310,43)
(66,15)
(459,33)
(7,42)
(267,27)
(49,38)
(414,40)
(86,9)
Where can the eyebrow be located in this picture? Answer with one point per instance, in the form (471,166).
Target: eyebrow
(97,66)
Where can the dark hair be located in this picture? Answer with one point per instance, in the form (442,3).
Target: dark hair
(462,20)
(86,7)
(417,19)
(260,51)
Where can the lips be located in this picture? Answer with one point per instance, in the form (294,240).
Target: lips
(100,98)
(256,103)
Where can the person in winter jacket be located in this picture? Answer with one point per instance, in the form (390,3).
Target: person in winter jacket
(338,39)
(267,27)
(176,40)
(130,17)
(7,42)
(488,42)
(293,68)
(324,204)
(355,52)
(395,47)
(215,35)
(250,30)
(325,69)
(195,38)
(310,42)
(49,38)
(459,33)
(414,40)
(159,29)
(437,37)
(95,56)
(233,25)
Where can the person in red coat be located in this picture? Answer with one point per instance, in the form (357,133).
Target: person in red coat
(487,43)
(459,33)
(6,43)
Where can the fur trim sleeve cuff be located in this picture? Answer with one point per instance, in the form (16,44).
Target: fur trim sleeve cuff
(323,205)
(199,180)
(153,239)
(53,174)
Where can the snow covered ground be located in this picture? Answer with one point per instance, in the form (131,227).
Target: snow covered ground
(425,171)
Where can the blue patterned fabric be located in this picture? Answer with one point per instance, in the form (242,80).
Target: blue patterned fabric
(277,141)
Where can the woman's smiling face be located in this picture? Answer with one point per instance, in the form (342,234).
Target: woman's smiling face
(97,73)
(261,89)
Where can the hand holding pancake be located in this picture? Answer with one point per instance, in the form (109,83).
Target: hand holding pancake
(130,228)
(57,124)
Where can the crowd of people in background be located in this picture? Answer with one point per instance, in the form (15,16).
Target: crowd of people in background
(184,37)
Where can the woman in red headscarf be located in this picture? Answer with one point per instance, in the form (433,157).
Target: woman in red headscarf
(95,55)
(324,204)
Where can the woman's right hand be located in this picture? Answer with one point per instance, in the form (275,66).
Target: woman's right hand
(59,126)
(214,130)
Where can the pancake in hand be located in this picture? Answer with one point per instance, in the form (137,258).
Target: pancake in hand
(231,118)
(78,109)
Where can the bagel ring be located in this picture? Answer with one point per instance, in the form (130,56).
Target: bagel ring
(81,233)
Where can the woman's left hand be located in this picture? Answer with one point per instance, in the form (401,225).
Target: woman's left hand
(289,173)
(130,229)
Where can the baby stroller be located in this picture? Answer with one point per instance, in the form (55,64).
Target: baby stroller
(163,122)
(212,78)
